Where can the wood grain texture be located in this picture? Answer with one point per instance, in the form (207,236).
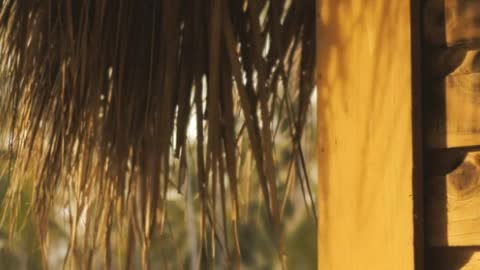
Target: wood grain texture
(453,113)
(453,258)
(453,205)
(366,218)
(452,22)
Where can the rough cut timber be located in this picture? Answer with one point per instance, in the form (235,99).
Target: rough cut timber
(452,22)
(453,107)
(453,205)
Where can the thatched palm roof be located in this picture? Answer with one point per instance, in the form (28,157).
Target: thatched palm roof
(99,95)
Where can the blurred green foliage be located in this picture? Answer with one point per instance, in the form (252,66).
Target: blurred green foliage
(172,250)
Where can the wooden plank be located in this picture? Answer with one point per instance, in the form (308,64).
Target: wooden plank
(365,155)
(453,109)
(453,258)
(452,22)
(453,205)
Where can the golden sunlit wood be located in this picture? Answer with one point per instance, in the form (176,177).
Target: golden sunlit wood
(365,141)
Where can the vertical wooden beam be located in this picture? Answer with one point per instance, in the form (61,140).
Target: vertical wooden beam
(366,142)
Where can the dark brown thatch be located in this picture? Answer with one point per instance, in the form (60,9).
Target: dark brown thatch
(99,96)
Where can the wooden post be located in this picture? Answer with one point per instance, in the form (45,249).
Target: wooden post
(366,139)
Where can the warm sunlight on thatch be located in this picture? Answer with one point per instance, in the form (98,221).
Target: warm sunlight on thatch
(114,108)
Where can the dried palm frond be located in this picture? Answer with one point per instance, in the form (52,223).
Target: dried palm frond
(99,96)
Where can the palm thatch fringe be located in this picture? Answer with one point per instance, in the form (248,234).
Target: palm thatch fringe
(99,96)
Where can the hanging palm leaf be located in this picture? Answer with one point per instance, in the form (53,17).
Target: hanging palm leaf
(100,96)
